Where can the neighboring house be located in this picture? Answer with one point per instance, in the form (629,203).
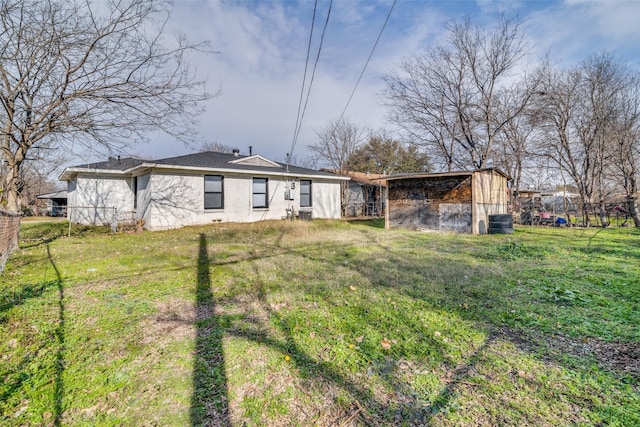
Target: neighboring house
(198,189)
(365,193)
(454,201)
(56,203)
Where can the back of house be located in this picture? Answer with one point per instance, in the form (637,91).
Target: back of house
(198,189)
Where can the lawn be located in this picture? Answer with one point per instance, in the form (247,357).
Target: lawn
(320,323)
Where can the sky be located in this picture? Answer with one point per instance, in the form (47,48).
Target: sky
(261,50)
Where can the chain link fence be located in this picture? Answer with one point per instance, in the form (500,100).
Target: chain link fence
(9,231)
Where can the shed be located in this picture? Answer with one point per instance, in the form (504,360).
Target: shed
(451,201)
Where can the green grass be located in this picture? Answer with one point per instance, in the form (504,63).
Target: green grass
(320,323)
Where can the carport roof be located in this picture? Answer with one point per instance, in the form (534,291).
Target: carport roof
(440,174)
(62,194)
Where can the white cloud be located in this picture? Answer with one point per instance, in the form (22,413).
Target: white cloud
(498,6)
(576,29)
(262,48)
(260,68)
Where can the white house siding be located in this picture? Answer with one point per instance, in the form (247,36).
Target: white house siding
(143,195)
(178,200)
(169,199)
(71,192)
(99,200)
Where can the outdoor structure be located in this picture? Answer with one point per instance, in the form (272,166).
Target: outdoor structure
(365,193)
(454,201)
(198,189)
(544,207)
(56,203)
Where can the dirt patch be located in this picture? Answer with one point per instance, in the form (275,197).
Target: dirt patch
(617,356)
(174,320)
(620,356)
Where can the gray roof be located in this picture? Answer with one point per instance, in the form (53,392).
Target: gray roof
(114,163)
(216,160)
(205,160)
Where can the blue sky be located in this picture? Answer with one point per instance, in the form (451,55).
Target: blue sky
(262,46)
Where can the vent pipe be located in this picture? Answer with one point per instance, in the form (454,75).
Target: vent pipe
(236,152)
(250,150)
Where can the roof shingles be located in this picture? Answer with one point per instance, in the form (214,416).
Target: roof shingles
(205,160)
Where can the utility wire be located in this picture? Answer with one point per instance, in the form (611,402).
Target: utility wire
(304,78)
(368,59)
(313,73)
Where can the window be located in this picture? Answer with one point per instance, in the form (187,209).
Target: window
(213,192)
(260,193)
(305,193)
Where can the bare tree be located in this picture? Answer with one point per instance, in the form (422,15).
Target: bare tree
(447,98)
(558,109)
(303,162)
(337,142)
(216,146)
(578,108)
(604,81)
(89,73)
(515,141)
(34,178)
(625,137)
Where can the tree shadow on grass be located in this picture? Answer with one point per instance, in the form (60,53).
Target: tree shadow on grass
(20,373)
(8,299)
(59,333)
(367,406)
(209,402)
(426,280)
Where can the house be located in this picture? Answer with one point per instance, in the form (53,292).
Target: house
(56,203)
(364,194)
(198,189)
(453,201)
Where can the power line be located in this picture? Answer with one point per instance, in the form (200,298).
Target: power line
(304,78)
(368,59)
(313,73)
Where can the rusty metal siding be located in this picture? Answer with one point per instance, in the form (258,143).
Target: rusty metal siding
(436,203)
(455,217)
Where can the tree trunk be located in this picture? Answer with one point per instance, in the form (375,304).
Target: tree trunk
(602,211)
(10,218)
(565,207)
(11,190)
(634,210)
(584,207)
